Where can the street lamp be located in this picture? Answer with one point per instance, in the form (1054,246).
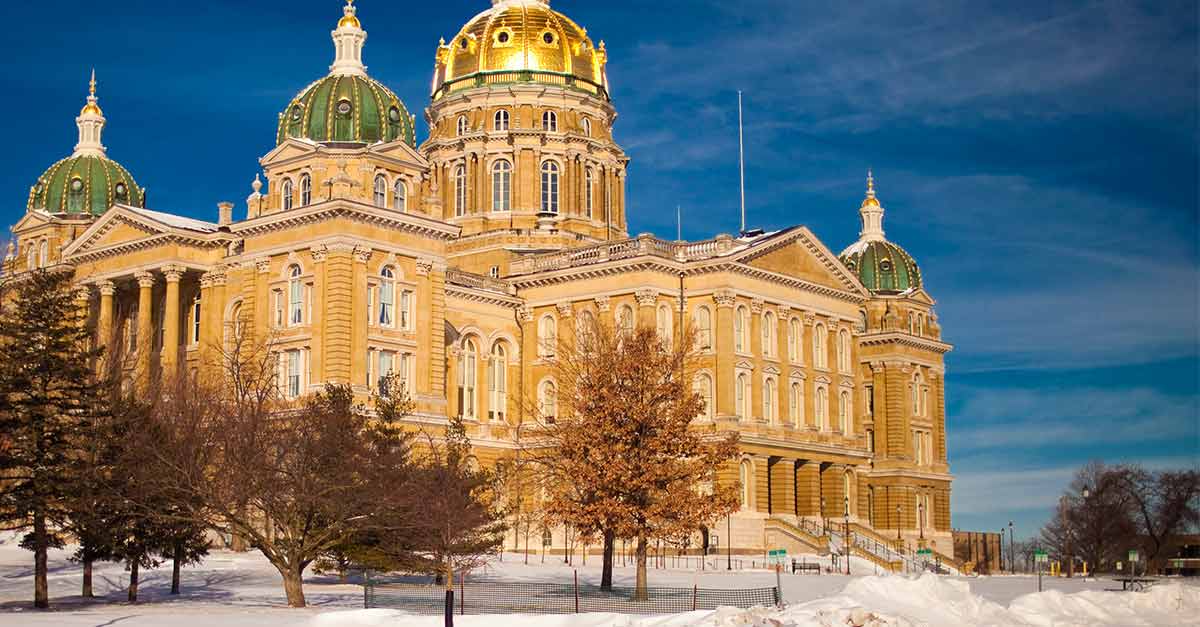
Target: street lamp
(824,523)
(728,542)
(921,521)
(846,537)
(1001,549)
(897,526)
(1012,548)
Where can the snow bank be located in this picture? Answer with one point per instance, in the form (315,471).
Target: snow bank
(1163,604)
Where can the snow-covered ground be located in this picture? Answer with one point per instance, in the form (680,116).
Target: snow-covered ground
(242,589)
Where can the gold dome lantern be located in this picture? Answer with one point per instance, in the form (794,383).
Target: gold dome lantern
(521,41)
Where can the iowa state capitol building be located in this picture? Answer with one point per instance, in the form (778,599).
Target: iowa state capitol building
(460,261)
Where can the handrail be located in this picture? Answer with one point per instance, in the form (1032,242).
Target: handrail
(505,77)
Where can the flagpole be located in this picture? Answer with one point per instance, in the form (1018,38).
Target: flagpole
(742,161)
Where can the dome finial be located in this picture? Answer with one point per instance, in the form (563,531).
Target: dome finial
(871,212)
(348,40)
(91,124)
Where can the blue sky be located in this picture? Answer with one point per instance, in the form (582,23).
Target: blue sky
(1039,159)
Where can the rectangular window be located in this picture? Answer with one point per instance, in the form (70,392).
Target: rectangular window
(387,296)
(406,314)
(293,374)
(385,361)
(196,322)
(297,303)
(278,296)
(870,391)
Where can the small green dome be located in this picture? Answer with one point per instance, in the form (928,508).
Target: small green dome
(347,108)
(883,267)
(85,184)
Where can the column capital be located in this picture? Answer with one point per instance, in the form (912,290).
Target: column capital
(526,314)
(362,255)
(320,254)
(565,310)
(145,279)
(784,312)
(424,267)
(107,288)
(725,298)
(646,298)
(756,306)
(263,264)
(603,304)
(173,273)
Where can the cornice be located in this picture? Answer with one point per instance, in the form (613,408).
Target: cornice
(483,296)
(903,339)
(342,207)
(912,474)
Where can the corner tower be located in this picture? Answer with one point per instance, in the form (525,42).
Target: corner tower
(521,141)
(902,364)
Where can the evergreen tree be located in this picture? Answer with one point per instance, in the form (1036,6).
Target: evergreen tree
(48,400)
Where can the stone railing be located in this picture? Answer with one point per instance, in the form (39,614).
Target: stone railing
(462,278)
(643,245)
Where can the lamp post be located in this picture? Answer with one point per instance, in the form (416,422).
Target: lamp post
(824,523)
(1002,548)
(897,526)
(1085,494)
(1012,548)
(921,521)
(728,542)
(1063,503)
(846,537)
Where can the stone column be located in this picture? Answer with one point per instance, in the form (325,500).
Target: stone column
(170,349)
(104,323)
(424,327)
(723,337)
(757,389)
(212,308)
(316,358)
(783,487)
(145,324)
(808,490)
(358,317)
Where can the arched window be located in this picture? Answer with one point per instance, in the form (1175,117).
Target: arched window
(501,186)
(387,298)
(501,120)
(195,339)
(845,418)
(235,323)
(549,187)
(741,329)
(768,335)
(586,124)
(44,254)
(742,396)
(796,403)
(285,192)
(498,383)
(863,321)
(585,325)
(625,320)
(589,191)
(844,351)
(295,297)
(912,323)
(704,389)
(31,256)
(305,190)
(468,370)
(820,352)
(550,121)
(548,402)
(770,395)
(75,196)
(460,191)
(663,319)
(745,476)
(795,337)
(381,192)
(703,321)
(547,336)
(462,125)
(822,409)
(400,195)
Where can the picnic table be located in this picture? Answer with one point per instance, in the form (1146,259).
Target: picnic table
(1135,584)
(805,567)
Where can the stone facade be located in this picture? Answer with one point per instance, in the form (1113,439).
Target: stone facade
(454,262)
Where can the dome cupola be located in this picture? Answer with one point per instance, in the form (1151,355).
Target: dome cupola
(347,106)
(521,41)
(87,182)
(883,267)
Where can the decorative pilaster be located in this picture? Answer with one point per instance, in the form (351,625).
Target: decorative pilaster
(145,324)
(105,333)
(170,349)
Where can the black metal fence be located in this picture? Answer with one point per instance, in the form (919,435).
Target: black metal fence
(503,597)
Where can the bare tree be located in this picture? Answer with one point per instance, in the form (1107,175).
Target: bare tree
(294,479)
(1165,504)
(621,455)
(1094,519)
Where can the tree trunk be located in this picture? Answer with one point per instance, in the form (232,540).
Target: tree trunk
(87,579)
(606,572)
(293,585)
(176,564)
(41,591)
(640,589)
(133,581)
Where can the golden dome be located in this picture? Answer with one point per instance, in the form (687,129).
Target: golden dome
(526,38)
(349,19)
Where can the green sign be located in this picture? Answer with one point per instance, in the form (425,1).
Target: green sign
(777,556)
(1178,563)
(1040,556)
(1133,556)
(925,552)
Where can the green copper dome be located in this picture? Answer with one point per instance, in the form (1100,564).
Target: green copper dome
(883,267)
(85,184)
(347,109)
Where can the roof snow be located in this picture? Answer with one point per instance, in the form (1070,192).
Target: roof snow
(178,222)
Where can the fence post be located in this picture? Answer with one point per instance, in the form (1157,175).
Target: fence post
(576,592)
(695,593)
(462,593)
(778,585)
